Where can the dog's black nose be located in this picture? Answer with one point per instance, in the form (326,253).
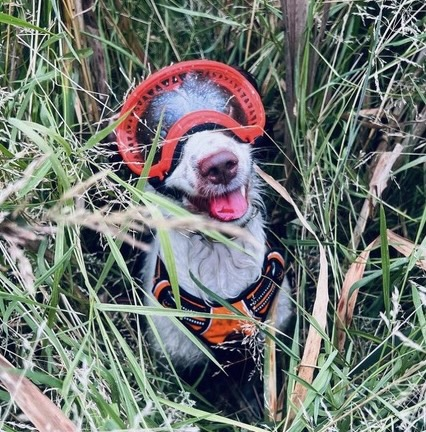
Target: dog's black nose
(219,168)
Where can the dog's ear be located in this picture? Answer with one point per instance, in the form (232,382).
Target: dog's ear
(248,76)
(265,149)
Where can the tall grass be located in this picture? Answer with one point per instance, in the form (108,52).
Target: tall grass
(359,90)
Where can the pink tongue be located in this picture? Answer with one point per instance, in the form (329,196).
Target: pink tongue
(228,207)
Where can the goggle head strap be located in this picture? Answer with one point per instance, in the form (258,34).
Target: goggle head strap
(182,130)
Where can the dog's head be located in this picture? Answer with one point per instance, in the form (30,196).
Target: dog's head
(215,176)
(202,117)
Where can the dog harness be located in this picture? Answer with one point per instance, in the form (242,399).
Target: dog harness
(255,302)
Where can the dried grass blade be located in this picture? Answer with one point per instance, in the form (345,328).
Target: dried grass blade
(40,410)
(378,184)
(27,175)
(405,247)
(347,301)
(381,173)
(270,372)
(319,314)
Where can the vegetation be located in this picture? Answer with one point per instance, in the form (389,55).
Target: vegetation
(343,98)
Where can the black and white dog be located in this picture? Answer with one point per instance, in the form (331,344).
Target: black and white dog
(209,115)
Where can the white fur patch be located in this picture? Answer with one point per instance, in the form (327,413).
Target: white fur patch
(186,177)
(225,270)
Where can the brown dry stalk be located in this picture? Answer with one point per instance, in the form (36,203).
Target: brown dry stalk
(319,314)
(272,405)
(347,301)
(39,409)
(294,19)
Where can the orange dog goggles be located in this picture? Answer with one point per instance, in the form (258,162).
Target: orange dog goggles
(183,99)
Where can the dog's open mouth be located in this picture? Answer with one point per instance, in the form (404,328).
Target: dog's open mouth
(226,207)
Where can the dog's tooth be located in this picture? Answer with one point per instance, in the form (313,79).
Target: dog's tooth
(243,190)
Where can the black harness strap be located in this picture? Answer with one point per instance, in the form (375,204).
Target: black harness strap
(255,302)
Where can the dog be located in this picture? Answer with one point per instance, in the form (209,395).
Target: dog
(205,117)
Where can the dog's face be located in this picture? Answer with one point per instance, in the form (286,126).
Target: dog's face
(207,114)
(215,176)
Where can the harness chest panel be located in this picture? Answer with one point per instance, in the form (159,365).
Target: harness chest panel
(254,302)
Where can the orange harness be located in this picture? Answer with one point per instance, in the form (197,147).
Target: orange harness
(254,302)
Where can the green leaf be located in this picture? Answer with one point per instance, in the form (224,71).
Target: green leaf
(192,13)
(17,22)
